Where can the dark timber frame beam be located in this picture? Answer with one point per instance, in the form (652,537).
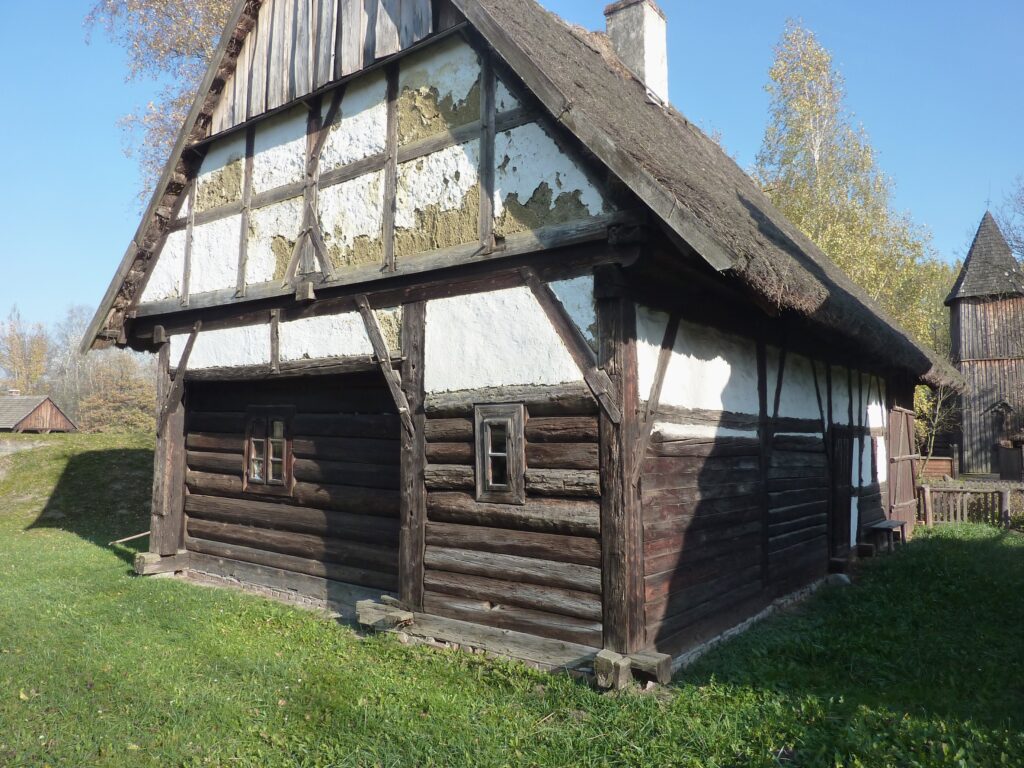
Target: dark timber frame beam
(413,503)
(383,359)
(604,389)
(668,343)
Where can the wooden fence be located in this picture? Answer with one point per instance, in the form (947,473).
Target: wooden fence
(979,503)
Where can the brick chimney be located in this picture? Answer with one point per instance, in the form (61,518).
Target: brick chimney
(638,33)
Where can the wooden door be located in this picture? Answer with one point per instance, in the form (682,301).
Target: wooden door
(903,458)
(842,490)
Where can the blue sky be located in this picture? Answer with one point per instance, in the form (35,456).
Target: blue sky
(936,84)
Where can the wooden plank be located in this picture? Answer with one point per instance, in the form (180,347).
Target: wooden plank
(302,53)
(527,544)
(487,138)
(383,356)
(287,573)
(529,570)
(388,18)
(597,379)
(289,517)
(562,429)
(261,53)
(350,38)
(413,505)
(166,518)
(190,226)
(347,473)
(542,598)
(541,482)
(391,162)
(149,563)
(565,516)
(352,449)
(326,18)
(243,237)
(571,399)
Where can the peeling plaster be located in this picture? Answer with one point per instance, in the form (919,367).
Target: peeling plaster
(708,369)
(390,322)
(361,128)
(312,338)
(224,348)
(215,255)
(577,297)
(438,200)
(494,339)
(536,183)
(168,271)
(503,98)
(220,176)
(351,216)
(438,89)
(273,231)
(279,150)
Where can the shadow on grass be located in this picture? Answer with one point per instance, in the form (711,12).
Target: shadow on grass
(931,631)
(101,496)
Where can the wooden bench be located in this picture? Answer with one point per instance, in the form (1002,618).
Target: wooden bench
(888,528)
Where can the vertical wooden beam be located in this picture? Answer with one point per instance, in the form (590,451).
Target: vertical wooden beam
(668,343)
(275,340)
(621,524)
(830,453)
(391,170)
(413,503)
(314,151)
(763,430)
(168,504)
(186,277)
(486,172)
(243,239)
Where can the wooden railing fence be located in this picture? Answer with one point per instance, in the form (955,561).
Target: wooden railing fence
(979,503)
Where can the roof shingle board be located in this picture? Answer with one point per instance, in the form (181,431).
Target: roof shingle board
(14,408)
(990,268)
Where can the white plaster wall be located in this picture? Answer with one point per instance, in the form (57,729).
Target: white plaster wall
(225,348)
(220,154)
(442,179)
(577,296)
(499,338)
(526,157)
(854,517)
(451,67)
(883,459)
(799,396)
(168,271)
(353,208)
(875,399)
(840,396)
(361,128)
(215,255)
(279,150)
(325,336)
(708,369)
(282,219)
(503,98)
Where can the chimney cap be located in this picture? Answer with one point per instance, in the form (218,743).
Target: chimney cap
(624,4)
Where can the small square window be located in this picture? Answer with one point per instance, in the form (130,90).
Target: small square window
(500,454)
(268,452)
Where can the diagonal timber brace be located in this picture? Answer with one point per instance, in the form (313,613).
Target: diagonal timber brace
(383,358)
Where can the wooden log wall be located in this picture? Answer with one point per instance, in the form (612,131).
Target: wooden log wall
(534,568)
(341,522)
(988,348)
(727,525)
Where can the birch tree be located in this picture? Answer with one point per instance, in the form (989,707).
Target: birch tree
(24,353)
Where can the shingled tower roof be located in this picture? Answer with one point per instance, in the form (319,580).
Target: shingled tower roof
(990,268)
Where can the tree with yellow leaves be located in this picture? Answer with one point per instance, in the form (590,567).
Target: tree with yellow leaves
(24,354)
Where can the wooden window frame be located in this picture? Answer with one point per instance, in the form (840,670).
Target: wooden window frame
(268,415)
(513,417)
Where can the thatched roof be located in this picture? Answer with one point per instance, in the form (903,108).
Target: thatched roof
(688,180)
(700,194)
(990,268)
(14,409)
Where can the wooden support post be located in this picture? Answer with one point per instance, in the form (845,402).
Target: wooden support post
(383,356)
(929,518)
(391,171)
(186,278)
(621,526)
(413,503)
(243,240)
(487,117)
(763,437)
(612,670)
(168,504)
(1004,508)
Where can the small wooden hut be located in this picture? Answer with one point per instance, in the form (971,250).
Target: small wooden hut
(452,305)
(986,309)
(32,413)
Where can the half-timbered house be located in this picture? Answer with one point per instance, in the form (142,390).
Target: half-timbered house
(452,305)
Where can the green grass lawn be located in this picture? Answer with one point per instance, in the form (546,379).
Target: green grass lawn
(920,663)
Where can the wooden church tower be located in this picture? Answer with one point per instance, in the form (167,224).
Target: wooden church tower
(987,331)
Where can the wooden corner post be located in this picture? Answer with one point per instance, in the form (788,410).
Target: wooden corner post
(167,517)
(413,505)
(621,526)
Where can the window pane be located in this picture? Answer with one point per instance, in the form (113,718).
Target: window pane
(256,469)
(277,429)
(499,436)
(499,471)
(276,449)
(276,471)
